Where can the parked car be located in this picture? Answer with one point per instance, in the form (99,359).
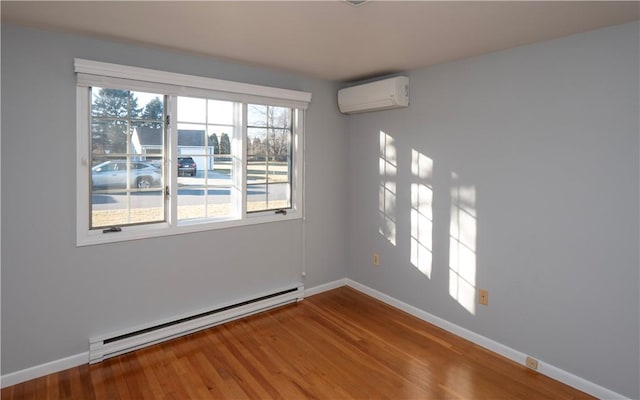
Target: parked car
(186,166)
(113,174)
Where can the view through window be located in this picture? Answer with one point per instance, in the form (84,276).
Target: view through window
(161,153)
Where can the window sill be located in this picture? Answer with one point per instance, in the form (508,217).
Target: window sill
(90,238)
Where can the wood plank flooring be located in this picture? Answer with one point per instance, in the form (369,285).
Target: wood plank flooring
(339,344)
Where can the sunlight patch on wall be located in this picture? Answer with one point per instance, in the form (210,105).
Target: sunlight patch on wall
(422,213)
(387,191)
(462,244)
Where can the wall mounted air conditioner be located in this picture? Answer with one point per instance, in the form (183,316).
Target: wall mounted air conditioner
(374,96)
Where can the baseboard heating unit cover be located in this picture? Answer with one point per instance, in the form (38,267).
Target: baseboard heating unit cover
(111,345)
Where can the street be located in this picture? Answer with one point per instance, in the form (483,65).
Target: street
(191,192)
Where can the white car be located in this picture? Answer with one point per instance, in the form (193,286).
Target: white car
(112,174)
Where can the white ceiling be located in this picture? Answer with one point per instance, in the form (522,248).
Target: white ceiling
(326,39)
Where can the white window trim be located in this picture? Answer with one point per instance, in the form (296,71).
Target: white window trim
(100,73)
(93,73)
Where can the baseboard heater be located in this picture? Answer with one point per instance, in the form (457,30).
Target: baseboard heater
(106,346)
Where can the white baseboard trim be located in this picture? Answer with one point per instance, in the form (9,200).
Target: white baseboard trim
(325,287)
(37,371)
(505,351)
(44,369)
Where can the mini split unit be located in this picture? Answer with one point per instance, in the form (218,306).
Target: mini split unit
(385,94)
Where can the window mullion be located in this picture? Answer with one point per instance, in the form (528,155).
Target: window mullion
(241,156)
(83,170)
(127,156)
(298,179)
(205,170)
(171,155)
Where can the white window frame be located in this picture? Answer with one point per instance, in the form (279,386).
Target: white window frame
(94,73)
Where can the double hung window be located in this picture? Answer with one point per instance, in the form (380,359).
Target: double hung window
(162,153)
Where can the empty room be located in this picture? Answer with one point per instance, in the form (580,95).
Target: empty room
(320,199)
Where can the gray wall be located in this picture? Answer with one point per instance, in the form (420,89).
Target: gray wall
(547,136)
(55,295)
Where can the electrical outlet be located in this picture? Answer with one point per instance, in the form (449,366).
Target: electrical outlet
(532,363)
(483,297)
(376,259)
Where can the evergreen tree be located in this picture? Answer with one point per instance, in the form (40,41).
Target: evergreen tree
(154,110)
(110,135)
(213,143)
(257,149)
(225,144)
(115,103)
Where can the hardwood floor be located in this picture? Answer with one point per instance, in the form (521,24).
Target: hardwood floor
(340,344)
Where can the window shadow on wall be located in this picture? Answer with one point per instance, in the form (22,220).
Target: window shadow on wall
(388,165)
(454,208)
(462,243)
(422,212)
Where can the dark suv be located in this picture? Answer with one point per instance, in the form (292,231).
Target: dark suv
(186,166)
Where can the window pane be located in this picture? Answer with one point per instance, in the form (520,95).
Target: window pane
(146,137)
(127,158)
(206,193)
(222,171)
(126,192)
(279,117)
(205,158)
(113,103)
(256,170)
(257,143)
(220,183)
(191,201)
(192,110)
(192,139)
(268,158)
(279,155)
(219,202)
(263,197)
(278,172)
(151,107)
(220,112)
(225,142)
(256,115)
(108,137)
(196,202)
(259,115)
